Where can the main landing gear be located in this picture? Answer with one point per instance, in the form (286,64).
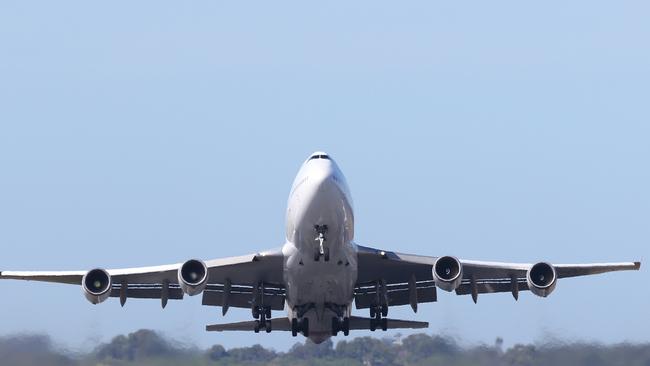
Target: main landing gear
(378,319)
(262,317)
(340,325)
(322,250)
(300,326)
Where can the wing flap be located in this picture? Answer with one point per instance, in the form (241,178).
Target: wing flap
(242,297)
(148,292)
(488,287)
(396,295)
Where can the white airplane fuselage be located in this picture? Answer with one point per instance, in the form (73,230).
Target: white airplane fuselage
(319,278)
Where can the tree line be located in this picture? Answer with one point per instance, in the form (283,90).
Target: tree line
(148,348)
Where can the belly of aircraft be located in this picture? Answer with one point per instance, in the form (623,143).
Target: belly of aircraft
(321,290)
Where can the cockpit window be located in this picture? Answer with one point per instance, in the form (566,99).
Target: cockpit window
(326,157)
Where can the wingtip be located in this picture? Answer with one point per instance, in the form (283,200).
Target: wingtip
(637,265)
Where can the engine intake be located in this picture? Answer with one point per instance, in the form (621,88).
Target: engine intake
(97,285)
(541,279)
(448,273)
(193,277)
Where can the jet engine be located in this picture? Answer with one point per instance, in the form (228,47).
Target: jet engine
(97,285)
(193,276)
(447,273)
(541,279)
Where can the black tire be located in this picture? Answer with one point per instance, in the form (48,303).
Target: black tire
(373,325)
(372,311)
(268,312)
(326,254)
(305,327)
(316,256)
(268,326)
(384,324)
(256,327)
(346,326)
(384,310)
(294,327)
(256,312)
(335,326)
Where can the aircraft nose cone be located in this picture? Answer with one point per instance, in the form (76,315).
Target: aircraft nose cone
(323,175)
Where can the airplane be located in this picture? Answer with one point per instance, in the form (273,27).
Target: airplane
(319,272)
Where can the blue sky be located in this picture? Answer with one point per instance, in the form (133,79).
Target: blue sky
(147,133)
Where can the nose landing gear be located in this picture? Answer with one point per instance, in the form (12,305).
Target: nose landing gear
(322,250)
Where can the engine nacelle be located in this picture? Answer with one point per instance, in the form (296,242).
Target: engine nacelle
(193,276)
(448,273)
(97,285)
(541,278)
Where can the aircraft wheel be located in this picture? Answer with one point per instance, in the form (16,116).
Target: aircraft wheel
(373,325)
(268,312)
(346,326)
(384,310)
(305,327)
(294,327)
(256,327)
(256,312)
(384,324)
(335,326)
(327,254)
(372,311)
(267,326)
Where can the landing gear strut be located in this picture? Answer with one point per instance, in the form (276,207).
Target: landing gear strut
(379,311)
(322,250)
(300,326)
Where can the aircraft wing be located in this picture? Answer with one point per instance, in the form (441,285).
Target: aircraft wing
(239,276)
(401,279)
